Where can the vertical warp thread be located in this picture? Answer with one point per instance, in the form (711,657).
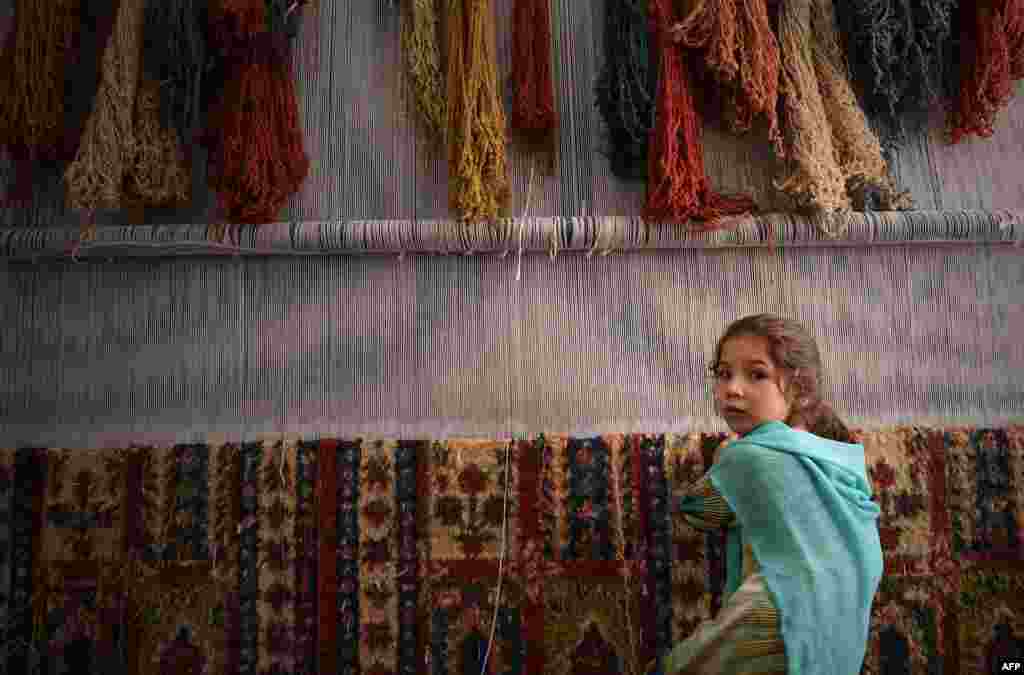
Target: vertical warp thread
(677,187)
(624,92)
(95,178)
(742,54)
(533,103)
(991,58)
(478,177)
(422,47)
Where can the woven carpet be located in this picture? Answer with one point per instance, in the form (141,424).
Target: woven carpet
(350,556)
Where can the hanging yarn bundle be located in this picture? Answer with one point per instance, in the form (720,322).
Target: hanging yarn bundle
(166,119)
(159,173)
(533,109)
(992,58)
(83,70)
(858,150)
(422,47)
(898,54)
(33,88)
(232,22)
(256,159)
(677,187)
(835,158)
(815,179)
(742,54)
(478,179)
(174,56)
(95,178)
(625,87)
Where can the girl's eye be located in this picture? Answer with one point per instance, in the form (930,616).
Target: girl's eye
(724,375)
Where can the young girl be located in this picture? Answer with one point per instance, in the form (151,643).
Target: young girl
(803,555)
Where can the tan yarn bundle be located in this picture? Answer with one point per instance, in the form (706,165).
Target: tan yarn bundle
(478,185)
(421,43)
(96,176)
(833,154)
(159,173)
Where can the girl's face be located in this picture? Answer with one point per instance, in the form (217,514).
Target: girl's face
(746,389)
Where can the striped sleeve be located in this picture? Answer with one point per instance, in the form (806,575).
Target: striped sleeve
(704,507)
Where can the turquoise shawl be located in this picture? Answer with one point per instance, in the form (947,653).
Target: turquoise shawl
(804,504)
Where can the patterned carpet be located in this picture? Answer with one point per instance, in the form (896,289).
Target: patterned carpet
(379,557)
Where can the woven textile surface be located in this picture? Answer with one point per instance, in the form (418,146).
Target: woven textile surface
(394,556)
(173,351)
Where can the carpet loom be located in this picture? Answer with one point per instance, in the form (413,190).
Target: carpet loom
(285,449)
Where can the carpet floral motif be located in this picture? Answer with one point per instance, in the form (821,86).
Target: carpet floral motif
(179,619)
(906,629)
(554,524)
(306,538)
(276,517)
(985,474)
(587,487)
(466,499)
(84,497)
(901,467)
(990,617)
(588,628)
(378,554)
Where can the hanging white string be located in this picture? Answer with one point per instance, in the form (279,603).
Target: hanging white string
(522,222)
(554,237)
(616,463)
(501,556)
(512,439)
(281,465)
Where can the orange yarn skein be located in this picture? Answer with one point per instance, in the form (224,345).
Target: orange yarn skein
(677,187)
(257,159)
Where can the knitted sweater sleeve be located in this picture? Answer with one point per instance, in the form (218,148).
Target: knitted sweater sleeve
(704,508)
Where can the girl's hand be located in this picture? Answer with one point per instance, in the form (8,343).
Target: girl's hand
(718,451)
(675,32)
